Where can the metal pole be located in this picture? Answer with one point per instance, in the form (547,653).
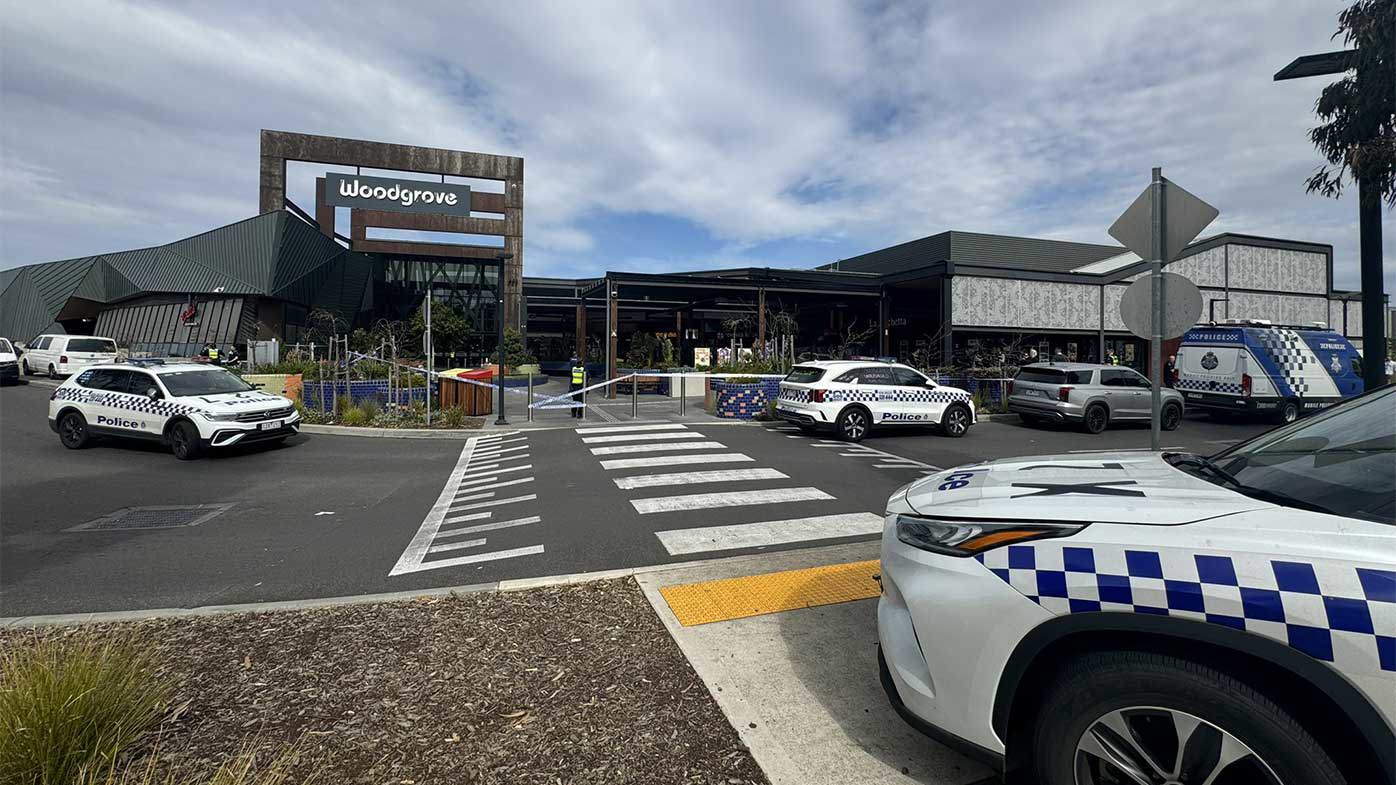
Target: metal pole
(530,396)
(1373,303)
(1156,337)
(499,341)
(634,397)
(683,394)
(584,394)
(427,340)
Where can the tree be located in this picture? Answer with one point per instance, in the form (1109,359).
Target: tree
(449,329)
(514,352)
(1358,135)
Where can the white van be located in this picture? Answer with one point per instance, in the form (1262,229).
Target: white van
(64,355)
(1258,368)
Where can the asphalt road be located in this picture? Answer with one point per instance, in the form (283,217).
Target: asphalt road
(327,516)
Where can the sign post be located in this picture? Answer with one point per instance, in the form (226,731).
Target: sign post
(1157,226)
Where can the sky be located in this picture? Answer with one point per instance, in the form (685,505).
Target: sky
(663,136)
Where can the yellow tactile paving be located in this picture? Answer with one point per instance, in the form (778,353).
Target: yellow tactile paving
(753,595)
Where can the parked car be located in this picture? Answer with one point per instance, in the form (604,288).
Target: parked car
(64,355)
(1156,618)
(1254,367)
(1093,396)
(9,362)
(189,406)
(850,397)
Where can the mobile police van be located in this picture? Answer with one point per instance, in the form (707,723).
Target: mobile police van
(189,406)
(1256,367)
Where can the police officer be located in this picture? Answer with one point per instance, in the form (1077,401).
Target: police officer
(211,351)
(579,380)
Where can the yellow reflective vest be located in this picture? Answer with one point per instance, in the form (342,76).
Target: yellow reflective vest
(579,374)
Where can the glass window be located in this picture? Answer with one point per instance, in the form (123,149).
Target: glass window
(110,379)
(213,381)
(850,377)
(1050,375)
(1341,461)
(42,344)
(1115,378)
(905,377)
(1135,379)
(6,347)
(879,376)
(91,345)
(802,374)
(140,383)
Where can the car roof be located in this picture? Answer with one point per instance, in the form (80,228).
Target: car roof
(1074,366)
(842,363)
(167,367)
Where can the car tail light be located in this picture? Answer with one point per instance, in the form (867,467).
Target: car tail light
(1246,384)
(816,396)
(1064,393)
(967,538)
(63,358)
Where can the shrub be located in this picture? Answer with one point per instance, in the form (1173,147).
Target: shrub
(355,416)
(343,404)
(72,708)
(243,769)
(454,417)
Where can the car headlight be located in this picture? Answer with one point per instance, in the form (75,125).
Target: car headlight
(967,538)
(221,417)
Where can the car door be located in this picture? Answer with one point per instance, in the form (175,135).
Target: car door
(146,410)
(37,356)
(878,391)
(914,402)
(1124,398)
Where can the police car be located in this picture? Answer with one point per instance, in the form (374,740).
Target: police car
(1156,618)
(189,406)
(1255,367)
(853,396)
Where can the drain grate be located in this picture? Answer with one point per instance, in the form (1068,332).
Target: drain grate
(170,517)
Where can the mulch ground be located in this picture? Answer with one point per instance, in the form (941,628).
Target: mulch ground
(576,684)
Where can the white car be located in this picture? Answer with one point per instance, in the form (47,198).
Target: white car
(1161,619)
(852,396)
(189,406)
(63,355)
(9,362)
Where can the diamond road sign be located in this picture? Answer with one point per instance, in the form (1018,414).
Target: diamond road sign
(1184,215)
(1182,305)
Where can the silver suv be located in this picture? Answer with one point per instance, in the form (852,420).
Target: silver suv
(1092,395)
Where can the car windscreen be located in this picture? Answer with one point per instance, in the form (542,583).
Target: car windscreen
(210,382)
(5,347)
(803,374)
(101,345)
(1341,461)
(1052,376)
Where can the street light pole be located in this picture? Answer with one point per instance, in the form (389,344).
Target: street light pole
(499,331)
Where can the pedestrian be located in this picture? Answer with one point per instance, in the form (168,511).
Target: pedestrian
(579,380)
(1170,370)
(211,352)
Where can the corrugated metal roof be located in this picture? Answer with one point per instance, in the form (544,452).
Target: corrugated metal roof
(898,258)
(56,281)
(1025,253)
(244,252)
(23,314)
(301,249)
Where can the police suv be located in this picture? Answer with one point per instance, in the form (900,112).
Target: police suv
(1159,619)
(189,406)
(852,396)
(1255,367)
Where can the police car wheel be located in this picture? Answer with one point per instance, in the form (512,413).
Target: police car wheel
(1097,417)
(72,431)
(184,441)
(1288,412)
(1131,716)
(955,421)
(1172,417)
(853,423)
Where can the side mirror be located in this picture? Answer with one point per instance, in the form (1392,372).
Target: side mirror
(152,393)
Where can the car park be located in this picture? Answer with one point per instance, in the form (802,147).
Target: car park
(188,406)
(851,397)
(1156,618)
(1255,367)
(1092,396)
(9,362)
(63,355)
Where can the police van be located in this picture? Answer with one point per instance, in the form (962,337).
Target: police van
(189,406)
(1256,367)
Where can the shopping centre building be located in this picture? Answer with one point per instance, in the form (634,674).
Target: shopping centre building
(419,220)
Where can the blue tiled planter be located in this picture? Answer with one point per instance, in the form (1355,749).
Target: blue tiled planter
(744,400)
(359,391)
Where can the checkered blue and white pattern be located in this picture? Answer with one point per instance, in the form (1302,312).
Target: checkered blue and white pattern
(1204,385)
(1338,613)
(1290,354)
(133,403)
(793,394)
(897,395)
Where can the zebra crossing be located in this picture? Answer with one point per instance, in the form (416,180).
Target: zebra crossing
(881,460)
(639,456)
(491,477)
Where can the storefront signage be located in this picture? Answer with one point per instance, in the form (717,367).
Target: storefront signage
(399,196)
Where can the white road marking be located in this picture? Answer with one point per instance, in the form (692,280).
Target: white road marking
(456,546)
(859,455)
(895,466)
(632,428)
(476,497)
(622,449)
(700,501)
(695,478)
(864,451)
(496,442)
(496,502)
(489,527)
(834,444)
(474,516)
(642,437)
(792,437)
(1125,449)
(523,456)
(756,535)
(489,455)
(481,471)
(482,557)
(504,484)
(416,551)
(676,460)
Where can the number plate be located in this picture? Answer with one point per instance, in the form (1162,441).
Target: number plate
(1194,395)
(1036,393)
(269,425)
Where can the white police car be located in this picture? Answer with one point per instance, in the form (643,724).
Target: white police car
(853,396)
(1157,619)
(189,406)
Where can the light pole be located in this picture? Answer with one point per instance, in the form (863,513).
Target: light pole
(1369,226)
(499,330)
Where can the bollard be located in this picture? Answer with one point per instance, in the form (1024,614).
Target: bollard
(530,396)
(683,395)
(634,398)
(584,402)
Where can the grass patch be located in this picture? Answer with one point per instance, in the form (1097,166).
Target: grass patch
(69,709)
(246,768)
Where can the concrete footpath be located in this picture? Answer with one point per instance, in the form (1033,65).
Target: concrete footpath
(801,686)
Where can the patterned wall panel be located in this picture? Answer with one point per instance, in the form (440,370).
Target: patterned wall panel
(1354,319)
(1278,270)
(1204,269)
(1007,302)
(1112,307)
(1279,308)
(1335,314)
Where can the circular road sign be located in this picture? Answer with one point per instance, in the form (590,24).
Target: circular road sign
(1182,305)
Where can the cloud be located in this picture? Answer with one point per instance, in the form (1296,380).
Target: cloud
(773,129)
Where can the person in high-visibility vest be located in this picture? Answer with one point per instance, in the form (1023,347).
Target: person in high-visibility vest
(579,380)
(212,352)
